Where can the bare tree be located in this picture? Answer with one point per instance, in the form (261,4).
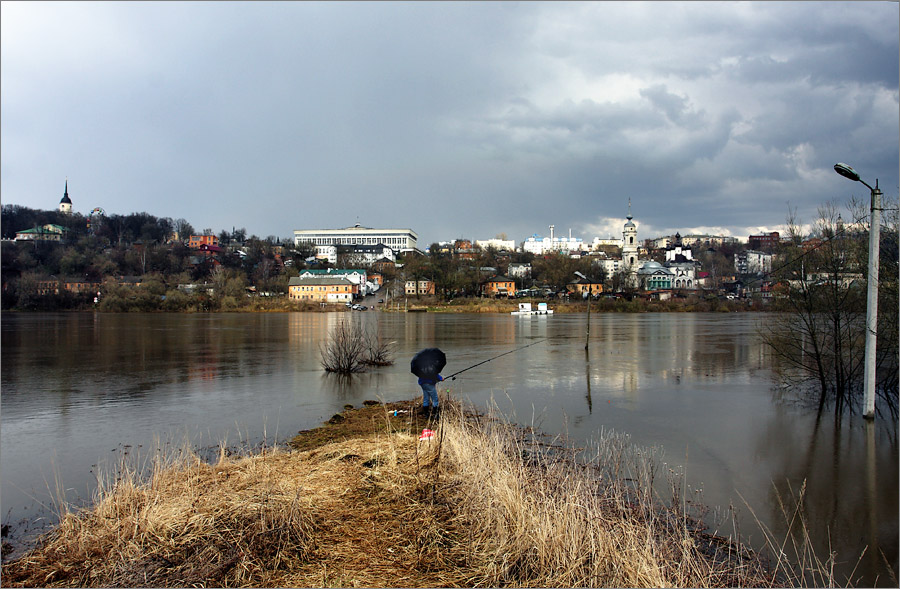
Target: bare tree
(820,339)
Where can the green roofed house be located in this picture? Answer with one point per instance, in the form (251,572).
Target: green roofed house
(48,232)
(655,276)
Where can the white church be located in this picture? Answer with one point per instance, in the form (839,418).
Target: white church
(678,272)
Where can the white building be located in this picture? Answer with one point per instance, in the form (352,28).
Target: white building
(597,243)
(684,274)
(399,240)
(752,262)
(327,253)
(677,252)
(539,246)
(357,277)
(610,265)
(519,270)
(708,240)
(498,244)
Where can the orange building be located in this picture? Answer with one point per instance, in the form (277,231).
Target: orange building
(196,241)
(500,286)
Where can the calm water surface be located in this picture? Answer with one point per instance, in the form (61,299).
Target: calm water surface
(81,390)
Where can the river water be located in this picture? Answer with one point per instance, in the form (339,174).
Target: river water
(80,391)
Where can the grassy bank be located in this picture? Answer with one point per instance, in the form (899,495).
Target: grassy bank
(362,501)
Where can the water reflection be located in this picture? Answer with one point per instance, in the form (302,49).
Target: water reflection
(836,462)
(78,386)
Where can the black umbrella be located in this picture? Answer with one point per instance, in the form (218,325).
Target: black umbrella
(428,363)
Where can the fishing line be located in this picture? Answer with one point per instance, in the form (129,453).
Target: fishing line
(453,376)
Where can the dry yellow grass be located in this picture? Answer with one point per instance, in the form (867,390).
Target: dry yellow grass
(477,505)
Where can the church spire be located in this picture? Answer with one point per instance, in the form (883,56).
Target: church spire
(629,217)
(65,204)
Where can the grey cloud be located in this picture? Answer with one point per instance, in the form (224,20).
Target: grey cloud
(454,119)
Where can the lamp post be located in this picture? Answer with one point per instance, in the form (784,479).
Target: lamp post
(587,337)
(872,292)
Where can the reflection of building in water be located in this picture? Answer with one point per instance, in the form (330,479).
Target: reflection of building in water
(533,326)
(202,368)
(304,328)
(419,327)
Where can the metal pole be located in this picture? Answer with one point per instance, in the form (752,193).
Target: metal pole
(872,305)
(587,338)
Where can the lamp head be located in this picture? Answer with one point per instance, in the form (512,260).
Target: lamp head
(846,171)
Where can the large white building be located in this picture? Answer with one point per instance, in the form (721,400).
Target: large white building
(538,245)
(498,244)
(610,242)
(399,240)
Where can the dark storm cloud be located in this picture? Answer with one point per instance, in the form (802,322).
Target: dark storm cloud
(454,119)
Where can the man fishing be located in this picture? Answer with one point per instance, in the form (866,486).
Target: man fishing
(430,405)
(427,365)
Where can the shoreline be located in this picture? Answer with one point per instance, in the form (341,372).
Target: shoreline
(475,305)
(361,500)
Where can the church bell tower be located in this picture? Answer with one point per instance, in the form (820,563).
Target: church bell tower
(65,205)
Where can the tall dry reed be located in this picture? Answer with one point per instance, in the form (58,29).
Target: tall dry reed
(540,515)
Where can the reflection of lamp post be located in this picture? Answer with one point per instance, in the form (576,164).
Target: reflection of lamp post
(872,292)
(587,337)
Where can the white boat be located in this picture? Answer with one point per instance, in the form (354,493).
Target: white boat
(525,309)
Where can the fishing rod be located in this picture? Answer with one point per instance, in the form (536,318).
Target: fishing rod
(453,376)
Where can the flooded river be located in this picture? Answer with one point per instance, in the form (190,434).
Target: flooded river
(79,391)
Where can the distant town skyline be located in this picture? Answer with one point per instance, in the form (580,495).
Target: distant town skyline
(457,120)
(66,205)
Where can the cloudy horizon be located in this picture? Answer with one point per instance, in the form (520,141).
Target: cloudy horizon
(453,119)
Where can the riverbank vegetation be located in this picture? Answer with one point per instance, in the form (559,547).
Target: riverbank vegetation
(365,501)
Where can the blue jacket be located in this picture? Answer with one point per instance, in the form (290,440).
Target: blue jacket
(430,381)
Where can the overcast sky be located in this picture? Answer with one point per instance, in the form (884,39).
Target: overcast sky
(454,119)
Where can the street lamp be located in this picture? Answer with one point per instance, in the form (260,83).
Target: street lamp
(872,292)
(587,337)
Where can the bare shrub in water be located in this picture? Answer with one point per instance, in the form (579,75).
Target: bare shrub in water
(345,350)
(378,352)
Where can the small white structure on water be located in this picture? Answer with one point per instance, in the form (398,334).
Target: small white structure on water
(525,309)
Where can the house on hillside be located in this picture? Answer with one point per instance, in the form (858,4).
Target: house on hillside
(419,287)
(48,232)
(195,241)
